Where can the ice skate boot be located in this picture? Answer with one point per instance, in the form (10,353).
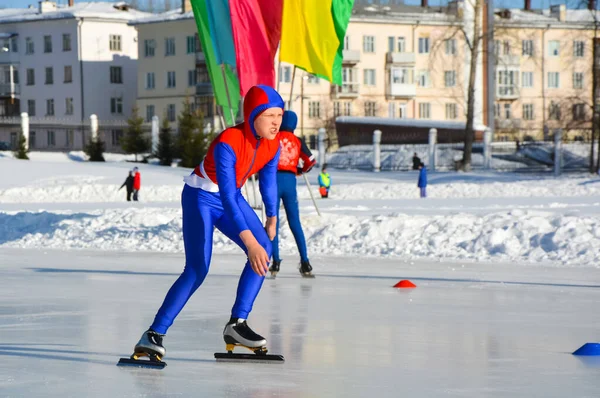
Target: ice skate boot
(306,269)
(238,333)
(274,268)
(150,346)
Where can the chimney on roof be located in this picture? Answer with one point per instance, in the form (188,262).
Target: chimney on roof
(559,12)
(45,6)
(592,5)
(527,5)
(71,3)
(186,5)
(424,3)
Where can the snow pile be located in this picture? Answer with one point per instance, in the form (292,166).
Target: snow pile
(520,236)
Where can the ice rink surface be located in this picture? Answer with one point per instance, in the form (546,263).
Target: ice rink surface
(467,330)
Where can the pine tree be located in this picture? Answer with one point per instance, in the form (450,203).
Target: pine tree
(95,150)
(192,143)
(135,140)
(21,151)
(165,149)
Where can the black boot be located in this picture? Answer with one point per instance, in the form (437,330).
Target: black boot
(306,269)
(274,268)
(237,332)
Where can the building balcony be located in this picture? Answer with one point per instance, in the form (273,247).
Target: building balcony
(401,90)
(346,90)
(508,60)
(507,124)
(200,58)
(204,89)
(507,92)
(351,56)
(10,90)
(401,58)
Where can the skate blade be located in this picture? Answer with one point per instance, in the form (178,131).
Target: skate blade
(307,275)
(259,358)
(142,363)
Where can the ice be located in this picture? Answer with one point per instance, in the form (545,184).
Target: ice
(467,330)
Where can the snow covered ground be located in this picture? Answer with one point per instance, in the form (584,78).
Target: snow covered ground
(507,268)
(56,202)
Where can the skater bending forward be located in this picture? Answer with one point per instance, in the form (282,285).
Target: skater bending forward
(212,198)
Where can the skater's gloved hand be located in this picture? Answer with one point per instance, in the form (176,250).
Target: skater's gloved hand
(271,227)
(257,256)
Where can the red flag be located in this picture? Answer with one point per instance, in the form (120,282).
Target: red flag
(256,26)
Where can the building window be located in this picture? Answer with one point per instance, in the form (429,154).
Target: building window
(450,78)
(66,42)
(396,44)
(31,107)
(169,46)
(171,112)
(30,77)
(554,112)
(205,104)
(68,72)
(69,106)
(528,112)
(370,108)
(347,109)
(51,138)
(70,138)
(49,107)
(507,111)
(553,48)
(402,76)
(553,79)
(578,48)
(149,112)
(116,105)
(424,78)
(32,143)
(507,82)
(171,83)
(527,48)
(369,44)
(116,136)
(423,45)
(285,74)
(149,47)
(349,80)
(192,78)
(13,140)
(312,79)
(369,77)
(49,76)
(29,46)
(192,44)
(47,44)
(116,75)
(506,47)
(402,114)
(150,81)
(314,109)
(114,43)
(527,79)
(578,80)
(451,111)
(347,43)
(450,45)
(579,112)
(337,109)
(424,110)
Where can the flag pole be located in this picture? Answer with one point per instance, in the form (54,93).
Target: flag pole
(292,89)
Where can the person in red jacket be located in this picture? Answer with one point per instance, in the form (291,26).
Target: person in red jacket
(137,183)
(212,198)
(293,149)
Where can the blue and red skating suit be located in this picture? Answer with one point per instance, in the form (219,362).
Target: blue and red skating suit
(292,150)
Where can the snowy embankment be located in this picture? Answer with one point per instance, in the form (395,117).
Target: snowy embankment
(502,229)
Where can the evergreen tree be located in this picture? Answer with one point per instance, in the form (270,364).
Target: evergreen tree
(135,140)
(21,151)
(165,150)
(192,142)
(95,150)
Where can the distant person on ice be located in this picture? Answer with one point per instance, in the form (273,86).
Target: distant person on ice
(292,150)
(212,198)
(137,183)
(422,183)
(128,184)
(416,162)
(324,182)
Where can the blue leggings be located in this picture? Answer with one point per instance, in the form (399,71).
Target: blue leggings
(202,211)
(286,191)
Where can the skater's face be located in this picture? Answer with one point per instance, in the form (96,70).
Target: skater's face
(268,123)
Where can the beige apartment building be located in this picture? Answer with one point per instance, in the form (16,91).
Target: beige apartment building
(402,61)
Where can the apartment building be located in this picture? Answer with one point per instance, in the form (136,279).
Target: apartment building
(62,64)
